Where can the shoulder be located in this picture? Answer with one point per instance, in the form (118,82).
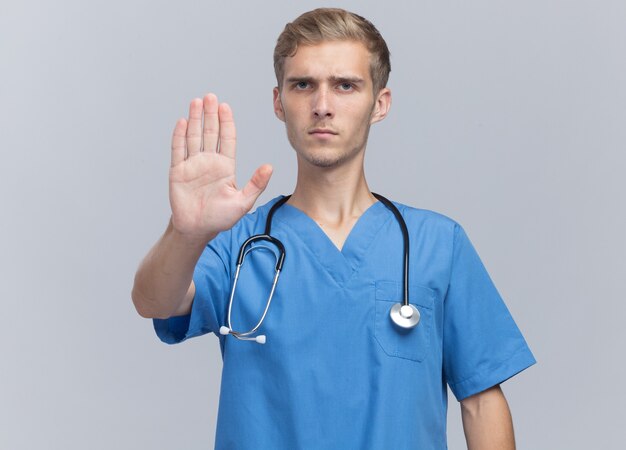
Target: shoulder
(432,221)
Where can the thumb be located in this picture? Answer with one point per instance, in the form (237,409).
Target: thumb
(257,184)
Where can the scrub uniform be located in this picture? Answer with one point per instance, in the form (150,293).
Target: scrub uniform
(335,372)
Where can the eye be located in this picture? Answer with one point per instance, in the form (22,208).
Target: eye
(302,85)
(345,86)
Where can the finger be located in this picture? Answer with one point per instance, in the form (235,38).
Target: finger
(210,133)
(228,134)
(178,142)
(256,185)
(194,127)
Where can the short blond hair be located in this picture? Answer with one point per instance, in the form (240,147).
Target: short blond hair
(333,24)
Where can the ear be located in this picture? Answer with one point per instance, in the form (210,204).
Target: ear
(381,106)
(278,105)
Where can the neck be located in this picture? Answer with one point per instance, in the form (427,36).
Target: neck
(332,194)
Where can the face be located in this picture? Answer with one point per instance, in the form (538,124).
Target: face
(327,102)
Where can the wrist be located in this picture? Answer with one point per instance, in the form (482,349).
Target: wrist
(189,239)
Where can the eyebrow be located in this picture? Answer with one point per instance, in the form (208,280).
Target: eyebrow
(355,80)
(298,79)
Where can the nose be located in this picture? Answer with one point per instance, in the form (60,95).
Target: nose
(322,104)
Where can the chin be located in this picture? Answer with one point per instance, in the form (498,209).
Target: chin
(325,162)
(324,158)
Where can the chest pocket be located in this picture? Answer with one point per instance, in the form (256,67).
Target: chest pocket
(414,343)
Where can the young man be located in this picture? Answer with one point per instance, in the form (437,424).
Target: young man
(336,372)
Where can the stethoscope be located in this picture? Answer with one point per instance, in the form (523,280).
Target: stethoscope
(402,314)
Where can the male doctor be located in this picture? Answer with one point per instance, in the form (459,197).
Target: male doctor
(335,372)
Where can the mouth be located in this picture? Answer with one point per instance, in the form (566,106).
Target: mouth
(323,132)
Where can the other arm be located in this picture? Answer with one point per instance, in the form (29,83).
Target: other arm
(487,421)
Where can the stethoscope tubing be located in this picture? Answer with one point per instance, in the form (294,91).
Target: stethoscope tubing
(240,334)
(405,237)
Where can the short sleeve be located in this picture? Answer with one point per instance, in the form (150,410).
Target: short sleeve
(482,345)
(212,281)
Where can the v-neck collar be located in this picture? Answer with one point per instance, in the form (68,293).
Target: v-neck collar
(341,265)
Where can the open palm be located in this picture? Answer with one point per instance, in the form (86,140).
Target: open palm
(203,192)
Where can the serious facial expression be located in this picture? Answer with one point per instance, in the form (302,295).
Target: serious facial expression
(327,101)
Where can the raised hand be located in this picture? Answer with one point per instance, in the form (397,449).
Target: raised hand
(203,192)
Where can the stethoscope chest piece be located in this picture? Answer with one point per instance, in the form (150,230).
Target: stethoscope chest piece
(405,316)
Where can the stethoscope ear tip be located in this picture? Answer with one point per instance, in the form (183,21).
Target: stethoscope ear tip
(224,330)
(260,339)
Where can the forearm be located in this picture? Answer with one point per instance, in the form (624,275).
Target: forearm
(487,421)
(164,276)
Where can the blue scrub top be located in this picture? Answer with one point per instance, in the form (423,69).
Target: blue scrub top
(335,371)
